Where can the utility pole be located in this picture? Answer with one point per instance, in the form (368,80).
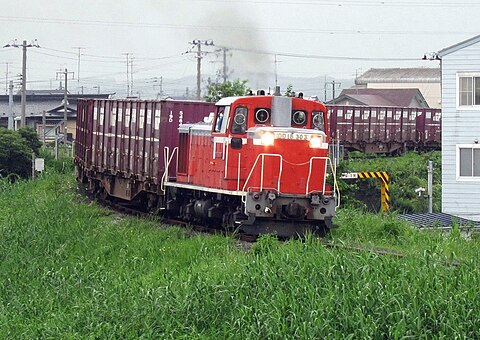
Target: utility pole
(65,102)
(11,117)
(225,69)
(199,57)
(199,62)
(131,76)
(276,79)
(44,127)
(6,80)
(24,73)
(160,85)
(128,79)
(325,89)
(78,65)
(333,83)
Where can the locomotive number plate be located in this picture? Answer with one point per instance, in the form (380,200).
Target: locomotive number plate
(293,135)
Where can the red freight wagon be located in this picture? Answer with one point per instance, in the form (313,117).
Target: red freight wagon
(129,139)
(385,129)
(433,128)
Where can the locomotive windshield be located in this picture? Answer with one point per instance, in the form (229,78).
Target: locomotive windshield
(318,121)
(239,124)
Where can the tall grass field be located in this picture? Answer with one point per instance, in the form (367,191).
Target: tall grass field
(70,269)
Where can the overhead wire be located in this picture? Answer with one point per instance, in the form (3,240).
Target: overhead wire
(216,27)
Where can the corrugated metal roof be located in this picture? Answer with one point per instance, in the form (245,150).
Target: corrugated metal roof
(384,97)
(399,75)
(438,220)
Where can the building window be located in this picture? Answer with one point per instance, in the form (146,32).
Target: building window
(469,90)
(468,161)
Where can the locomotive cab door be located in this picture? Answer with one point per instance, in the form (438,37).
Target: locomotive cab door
(220,146)
(228,145)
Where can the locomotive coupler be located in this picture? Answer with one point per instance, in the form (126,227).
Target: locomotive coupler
(315,200)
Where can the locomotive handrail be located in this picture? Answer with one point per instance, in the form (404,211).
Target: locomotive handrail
(167,159)
(262,155)
(310,174)
(335,184)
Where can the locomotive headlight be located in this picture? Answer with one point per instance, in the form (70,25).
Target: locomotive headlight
(267,138)
(316,142)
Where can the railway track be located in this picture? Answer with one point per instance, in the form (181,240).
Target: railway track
(245,241)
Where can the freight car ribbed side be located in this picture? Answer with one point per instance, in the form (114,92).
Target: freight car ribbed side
(385,129)
(122,143)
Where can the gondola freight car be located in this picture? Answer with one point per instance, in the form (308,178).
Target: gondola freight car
(385,129)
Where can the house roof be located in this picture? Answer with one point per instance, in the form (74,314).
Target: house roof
(459,46)
(399,75)
(52,104)
(365,99)
(382,97)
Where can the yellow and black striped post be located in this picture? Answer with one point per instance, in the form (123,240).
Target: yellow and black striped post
(385,190)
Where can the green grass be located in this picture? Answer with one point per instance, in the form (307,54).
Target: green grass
(69,269)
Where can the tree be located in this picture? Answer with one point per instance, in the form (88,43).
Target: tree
(31,136)
(216,91)
(15,154)
(290,92)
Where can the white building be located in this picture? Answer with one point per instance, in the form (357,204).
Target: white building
(460,65)
(427,80)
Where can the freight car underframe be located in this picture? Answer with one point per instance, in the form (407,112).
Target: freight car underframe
(258,212)
(392,148)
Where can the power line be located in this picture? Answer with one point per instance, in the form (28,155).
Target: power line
(316,56)
(227,28)
(346,3)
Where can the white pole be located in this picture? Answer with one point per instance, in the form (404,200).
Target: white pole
(430,186)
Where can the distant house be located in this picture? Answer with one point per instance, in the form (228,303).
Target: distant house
(460,66)
(380,97)
(48,101)
(427,80)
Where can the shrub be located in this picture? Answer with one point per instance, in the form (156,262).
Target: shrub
(15,154)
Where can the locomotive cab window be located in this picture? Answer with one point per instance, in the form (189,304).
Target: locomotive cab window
(299,118)
(318,121)
(239,125)
(221,119)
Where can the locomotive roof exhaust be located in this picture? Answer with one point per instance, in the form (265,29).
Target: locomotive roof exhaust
(281,109)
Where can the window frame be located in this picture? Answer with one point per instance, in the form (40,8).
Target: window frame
(471,75)
(457,165)
(234,114)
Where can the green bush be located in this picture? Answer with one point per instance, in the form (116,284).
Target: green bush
(15,154)
(407,173)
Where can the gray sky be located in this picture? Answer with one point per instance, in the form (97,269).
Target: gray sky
(312,38)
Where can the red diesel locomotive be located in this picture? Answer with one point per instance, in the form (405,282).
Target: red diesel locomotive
(257,163)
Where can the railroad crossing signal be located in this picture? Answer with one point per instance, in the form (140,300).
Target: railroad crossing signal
(384,179)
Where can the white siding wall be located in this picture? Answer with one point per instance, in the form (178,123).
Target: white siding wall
(461,198)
